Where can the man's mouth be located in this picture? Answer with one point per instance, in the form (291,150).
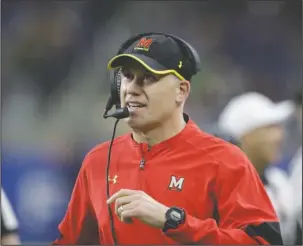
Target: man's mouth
(135,105)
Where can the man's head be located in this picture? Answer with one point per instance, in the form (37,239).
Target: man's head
(256,122)
(155,74)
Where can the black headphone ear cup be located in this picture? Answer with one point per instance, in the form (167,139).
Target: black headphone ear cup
(115,88)
(118,82)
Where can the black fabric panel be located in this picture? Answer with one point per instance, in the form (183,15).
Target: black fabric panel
(270,231)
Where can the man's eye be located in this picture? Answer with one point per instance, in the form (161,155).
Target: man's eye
(128,75)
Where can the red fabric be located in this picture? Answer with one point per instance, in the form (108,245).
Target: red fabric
(214,173)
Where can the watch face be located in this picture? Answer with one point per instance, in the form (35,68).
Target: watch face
(175,215)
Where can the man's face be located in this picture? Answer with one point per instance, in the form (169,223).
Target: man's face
(265,143)
(151,99)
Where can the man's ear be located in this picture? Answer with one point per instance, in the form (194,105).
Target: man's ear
(183,91)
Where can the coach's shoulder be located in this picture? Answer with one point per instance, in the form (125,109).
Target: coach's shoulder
(233,163)
(225,154)
(98,154)
(103,147)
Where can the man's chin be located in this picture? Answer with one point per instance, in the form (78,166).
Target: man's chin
(132,121)
(135,123)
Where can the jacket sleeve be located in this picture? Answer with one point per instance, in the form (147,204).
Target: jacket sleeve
(245,213)
(79,226)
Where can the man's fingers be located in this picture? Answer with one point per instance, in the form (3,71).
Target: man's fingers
(131,205)
(123,213)
(124,200)
(126,203)
(128,214)
(122,192)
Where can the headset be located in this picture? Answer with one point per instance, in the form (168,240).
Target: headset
(191,56)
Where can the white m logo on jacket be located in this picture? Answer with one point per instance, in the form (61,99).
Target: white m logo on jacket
(175,183)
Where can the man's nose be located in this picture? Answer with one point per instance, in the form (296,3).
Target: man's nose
(135,86)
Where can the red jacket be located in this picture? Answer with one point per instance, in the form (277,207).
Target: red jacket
(212,180)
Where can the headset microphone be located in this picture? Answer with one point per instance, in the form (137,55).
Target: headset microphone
(119,114)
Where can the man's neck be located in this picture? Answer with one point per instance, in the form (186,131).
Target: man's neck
(162,132)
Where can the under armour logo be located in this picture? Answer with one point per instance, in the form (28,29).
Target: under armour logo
(180,64)
(176,184)
(114,179)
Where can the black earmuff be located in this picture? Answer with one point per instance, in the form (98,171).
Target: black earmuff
(115,87)
(188,51)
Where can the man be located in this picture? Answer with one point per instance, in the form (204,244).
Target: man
(9,223)
(256,122)
(170,182)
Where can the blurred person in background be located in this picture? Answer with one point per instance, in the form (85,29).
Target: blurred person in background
(296,173)
(257,124)
(9,223)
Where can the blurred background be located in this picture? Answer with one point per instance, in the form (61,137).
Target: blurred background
(55,84)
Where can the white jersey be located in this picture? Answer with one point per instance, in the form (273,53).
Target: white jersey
(9,221)
(295,180)
(280,193)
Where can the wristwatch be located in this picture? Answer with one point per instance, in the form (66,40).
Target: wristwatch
(174,217)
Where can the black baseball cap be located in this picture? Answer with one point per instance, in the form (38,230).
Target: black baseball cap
(159,54)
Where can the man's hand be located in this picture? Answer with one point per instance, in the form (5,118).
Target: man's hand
(137,204)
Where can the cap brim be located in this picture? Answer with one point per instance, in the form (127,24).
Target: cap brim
(281,112)
(147,62)
(285,108)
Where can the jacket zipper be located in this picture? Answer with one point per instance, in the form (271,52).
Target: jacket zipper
(142,161)
(141,169)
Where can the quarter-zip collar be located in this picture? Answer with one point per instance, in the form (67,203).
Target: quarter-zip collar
(168,143)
